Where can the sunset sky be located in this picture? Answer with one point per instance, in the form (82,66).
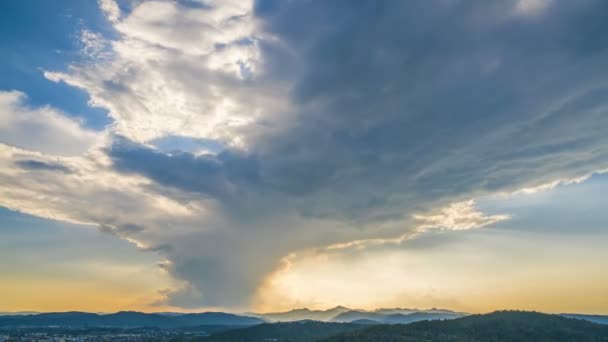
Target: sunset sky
(266,155)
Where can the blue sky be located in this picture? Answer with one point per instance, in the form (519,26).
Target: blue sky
(568,209)
(45,36)
(230,152)
(43,246)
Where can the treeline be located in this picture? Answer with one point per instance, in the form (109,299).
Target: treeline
(300,331)
(503,326)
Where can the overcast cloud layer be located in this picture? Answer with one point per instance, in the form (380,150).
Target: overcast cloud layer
(317,123)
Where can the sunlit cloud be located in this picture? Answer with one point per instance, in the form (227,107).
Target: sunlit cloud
(43,129)
(175,70)
(458,216)
(110,9)
(531,7)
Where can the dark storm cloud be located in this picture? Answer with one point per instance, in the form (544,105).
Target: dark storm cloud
(443,98)
(215,176)
(401,106)
(431,98)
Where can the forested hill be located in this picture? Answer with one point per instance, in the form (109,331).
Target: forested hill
(124,319)
(501,326)
(301,331)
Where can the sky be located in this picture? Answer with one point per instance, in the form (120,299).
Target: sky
(267,155)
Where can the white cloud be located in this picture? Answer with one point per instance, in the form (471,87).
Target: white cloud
(458,216)
(111,9)
(178,71)
(94,45)
(190,31)
(87,190)
(531,7)
(42,129)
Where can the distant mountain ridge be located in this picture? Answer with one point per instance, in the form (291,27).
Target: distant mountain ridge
(19,313)
(600,319)
(301,314)
(341,314)
(407,316)
(167,320)
(384,315)
(125,319)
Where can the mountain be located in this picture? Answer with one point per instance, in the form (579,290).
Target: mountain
(365,321)
(420,316)
(382,316)
(19,313)
(355,315)
(216,318)
(341,314)
(301,314)
(409,311)
(131,319)
(600,319)
(63,319)
(497,327)
(170,313)
(395,311)
(125,319)
(300,331)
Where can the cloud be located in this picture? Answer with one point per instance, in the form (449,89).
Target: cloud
(531,7)
(36,165)
(94,45)
(178,70)
(458,216)
(110,9)
(335,122)
(42,129)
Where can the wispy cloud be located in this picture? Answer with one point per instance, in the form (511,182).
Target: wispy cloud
(42,129)
(458,216)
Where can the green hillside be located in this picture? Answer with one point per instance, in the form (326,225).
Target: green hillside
(301,331)
(501,326)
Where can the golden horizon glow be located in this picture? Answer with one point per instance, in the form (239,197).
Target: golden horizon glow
(110,290)
(461,276)
(475,272)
